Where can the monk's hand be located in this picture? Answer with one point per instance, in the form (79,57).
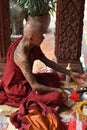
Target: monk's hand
(84,80)
(67,101)
(63,92)
(76,77)
(65,95)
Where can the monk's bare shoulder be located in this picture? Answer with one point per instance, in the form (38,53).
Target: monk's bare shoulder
(19,54)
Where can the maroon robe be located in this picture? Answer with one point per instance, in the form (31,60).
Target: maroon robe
(40,111)
(14,89)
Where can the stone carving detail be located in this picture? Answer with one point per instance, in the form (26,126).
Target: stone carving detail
(69,36)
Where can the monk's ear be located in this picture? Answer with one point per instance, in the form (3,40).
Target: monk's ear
(29,37)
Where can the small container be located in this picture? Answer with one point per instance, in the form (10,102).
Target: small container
(68,79)
(84,96)
(3,121)
(69,102)
(85,109)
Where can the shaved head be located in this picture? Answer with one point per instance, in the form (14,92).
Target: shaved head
(31,27)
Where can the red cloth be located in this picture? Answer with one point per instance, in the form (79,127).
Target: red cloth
(74,96)
(75,124)
(20,121)
(16,90)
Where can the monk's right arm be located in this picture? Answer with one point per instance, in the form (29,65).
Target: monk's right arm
(23,63)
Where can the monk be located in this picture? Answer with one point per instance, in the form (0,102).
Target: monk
(19,84)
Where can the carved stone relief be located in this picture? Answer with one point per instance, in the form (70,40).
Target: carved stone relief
(69,25)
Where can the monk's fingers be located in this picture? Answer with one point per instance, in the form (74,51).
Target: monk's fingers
(80,80)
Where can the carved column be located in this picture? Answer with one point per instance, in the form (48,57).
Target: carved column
(69,27)
(4,31)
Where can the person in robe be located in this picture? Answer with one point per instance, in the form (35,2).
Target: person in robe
(19,84)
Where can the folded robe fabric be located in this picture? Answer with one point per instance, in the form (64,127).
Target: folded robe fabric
(14,89)
(36,116)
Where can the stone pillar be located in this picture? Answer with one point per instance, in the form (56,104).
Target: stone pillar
(4,32)
(68,38)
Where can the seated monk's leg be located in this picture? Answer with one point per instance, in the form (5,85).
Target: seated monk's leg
(3,97)
(16,93)
(48,79)
(51,99)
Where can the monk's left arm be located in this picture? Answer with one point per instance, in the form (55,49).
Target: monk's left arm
(54,65)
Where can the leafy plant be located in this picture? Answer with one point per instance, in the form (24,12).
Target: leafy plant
(37,7)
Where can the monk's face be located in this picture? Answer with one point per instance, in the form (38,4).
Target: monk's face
(37,38)
(33,31)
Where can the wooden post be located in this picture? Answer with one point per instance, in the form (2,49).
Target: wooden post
(69,27)
(4,32)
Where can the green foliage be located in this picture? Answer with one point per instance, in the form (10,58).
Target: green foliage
(37,7)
